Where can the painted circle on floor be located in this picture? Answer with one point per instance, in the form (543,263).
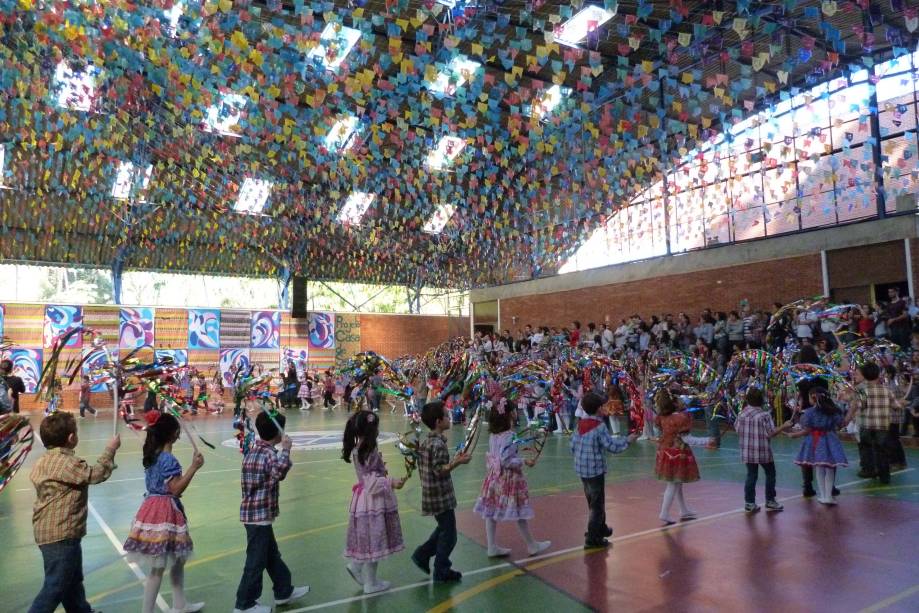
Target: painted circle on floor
(318,440)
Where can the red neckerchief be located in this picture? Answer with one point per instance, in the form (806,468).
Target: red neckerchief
(587,424)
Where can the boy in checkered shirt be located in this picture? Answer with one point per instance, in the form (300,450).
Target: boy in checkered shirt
(755,429)
(437,496)
(62,482)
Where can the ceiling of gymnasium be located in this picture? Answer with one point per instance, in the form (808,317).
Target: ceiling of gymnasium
(525,189)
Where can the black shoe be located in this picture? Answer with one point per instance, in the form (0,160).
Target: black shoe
(424,566)
(884,481)
(607,531)
(596,544)
(835,491)
(809,492)
(866,475)
(450,576)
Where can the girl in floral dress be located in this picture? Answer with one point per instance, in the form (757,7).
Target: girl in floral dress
(374,531)
(159,534)
(505,496)
(675,461)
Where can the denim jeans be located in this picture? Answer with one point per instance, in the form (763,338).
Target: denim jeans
(440,544)
(63,584)
(750,485)
(595,491)
(262,554)
(872,452)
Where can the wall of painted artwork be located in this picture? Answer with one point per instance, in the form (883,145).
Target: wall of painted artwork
(211,340)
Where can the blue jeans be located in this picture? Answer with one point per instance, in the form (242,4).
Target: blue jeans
(440,544)
(262,554)
(63,584)
(749,489)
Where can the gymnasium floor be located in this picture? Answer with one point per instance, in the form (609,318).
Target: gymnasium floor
(859,556)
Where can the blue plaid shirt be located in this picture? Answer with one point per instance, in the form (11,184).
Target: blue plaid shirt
(590,449)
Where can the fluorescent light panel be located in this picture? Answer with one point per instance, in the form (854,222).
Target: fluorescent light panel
(253,196)
(576,29)
(355,207)
(458,71)
(340,136)
(127,178)
(335,43)
(436,223)
(447,149)
(547,100)
(225,115)
(75,88)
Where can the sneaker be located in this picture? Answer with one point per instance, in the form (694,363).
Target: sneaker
(599,544)
(424,566)
(192,607)
(539,547)
(450,576)
(380,586)
(688,516)
(299,592)
(259,608)
(355,572)
(772,505)
(835,492)
(498,552)
(751,507)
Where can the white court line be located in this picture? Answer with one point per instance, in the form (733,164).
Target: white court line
(117,545)
(525,561)
(208,472)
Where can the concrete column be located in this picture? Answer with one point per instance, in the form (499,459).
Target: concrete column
(908,252)
(825,272)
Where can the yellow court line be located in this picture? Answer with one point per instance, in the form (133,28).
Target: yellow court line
(892,600)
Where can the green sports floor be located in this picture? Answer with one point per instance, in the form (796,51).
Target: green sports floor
(858,556)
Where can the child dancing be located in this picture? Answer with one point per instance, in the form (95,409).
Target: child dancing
(159,533)
(821,447)
(374,531)
(675,462)
(504,494)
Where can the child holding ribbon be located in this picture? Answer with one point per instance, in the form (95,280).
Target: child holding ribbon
(675,462)
(505,496)
(821,447)
(374,531)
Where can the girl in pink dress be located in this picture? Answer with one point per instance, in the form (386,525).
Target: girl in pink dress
(374,531)
(505,496)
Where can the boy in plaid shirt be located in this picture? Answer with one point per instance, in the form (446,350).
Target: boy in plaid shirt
(437,497)
(590,444)
(263,470)
(755,428)
(61,482)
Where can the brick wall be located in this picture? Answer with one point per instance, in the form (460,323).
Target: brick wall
(395,335)
(762,283)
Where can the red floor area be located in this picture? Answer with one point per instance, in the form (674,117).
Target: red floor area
(807,558)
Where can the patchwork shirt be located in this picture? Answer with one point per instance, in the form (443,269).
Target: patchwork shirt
(754,426)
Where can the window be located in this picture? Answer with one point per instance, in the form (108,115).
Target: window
(340,137)
(447,149)
(253,196)
(545,101)
(436,223)
(223,117)
(129,180)
(335,43)
(2,162)
(172,16)
(460,70)
(75,89)
(355,207)
(587,20)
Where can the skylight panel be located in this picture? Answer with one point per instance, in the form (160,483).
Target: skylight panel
(436,223)
(587,20)
(460,70)
(355,207)
(172,17)
(447,149)
(223,117)
(335,43)
(75,89)
(129,179)
(547,100)
(253,196)
(340,137)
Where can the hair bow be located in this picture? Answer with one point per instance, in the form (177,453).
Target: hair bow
(152,417)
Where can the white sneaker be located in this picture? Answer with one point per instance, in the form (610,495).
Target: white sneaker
(191,607)
(498,552)
(381,586)
(539,548)
(299,592)
(259,608)
(356,571)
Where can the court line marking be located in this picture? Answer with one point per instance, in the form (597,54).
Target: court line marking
(160,602)
(562,554)
(880,606)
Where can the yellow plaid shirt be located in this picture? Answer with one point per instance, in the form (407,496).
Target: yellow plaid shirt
(61,481)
